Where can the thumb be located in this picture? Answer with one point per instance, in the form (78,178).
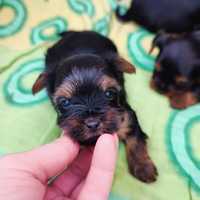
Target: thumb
(46,161)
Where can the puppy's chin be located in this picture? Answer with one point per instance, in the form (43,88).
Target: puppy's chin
(177,100)
(182,101)
(90,141)
(86,138)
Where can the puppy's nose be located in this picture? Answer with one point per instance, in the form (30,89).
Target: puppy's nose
(92,123)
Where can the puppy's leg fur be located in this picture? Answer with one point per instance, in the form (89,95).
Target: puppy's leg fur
(139,163)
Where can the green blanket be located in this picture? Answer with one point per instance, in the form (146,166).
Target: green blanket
(27,28)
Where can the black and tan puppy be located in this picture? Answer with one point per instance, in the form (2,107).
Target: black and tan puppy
(177,69)
(172,16)
(84,80)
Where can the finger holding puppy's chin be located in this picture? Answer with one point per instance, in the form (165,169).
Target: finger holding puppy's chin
(114,135)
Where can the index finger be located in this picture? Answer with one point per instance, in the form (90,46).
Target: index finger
(99,180)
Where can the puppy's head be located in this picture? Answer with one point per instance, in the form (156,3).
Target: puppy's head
(177,68)
(88,95)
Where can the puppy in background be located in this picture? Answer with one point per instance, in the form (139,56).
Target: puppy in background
(177,68)
(84,80)
(172,16)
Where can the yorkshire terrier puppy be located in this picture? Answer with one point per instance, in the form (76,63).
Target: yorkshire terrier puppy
(177,68)
(172,16)
(84,80)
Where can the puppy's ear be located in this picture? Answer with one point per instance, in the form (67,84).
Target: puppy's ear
(196,35)
(160,40)
(39,83)
(119,63)
(124,66)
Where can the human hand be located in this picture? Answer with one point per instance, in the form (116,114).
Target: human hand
(87,175)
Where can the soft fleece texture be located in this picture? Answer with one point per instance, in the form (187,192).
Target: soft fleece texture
(27,28)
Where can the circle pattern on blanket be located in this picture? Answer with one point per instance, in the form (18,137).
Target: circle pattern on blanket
(102,25)
(113,4)
(16,93)
(20,15)
(136,51)
(114,196)
(82,7)
(54,26)
(178,143)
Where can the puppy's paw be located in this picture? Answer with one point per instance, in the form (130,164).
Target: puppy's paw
(144,171)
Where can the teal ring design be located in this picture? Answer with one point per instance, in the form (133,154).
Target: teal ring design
(58,23)
(102,25)
(113,196)
(137,53)
(188,128)
(122,7)
(113,4)
(82,7)
(179,143)
(20,17)
(14,91)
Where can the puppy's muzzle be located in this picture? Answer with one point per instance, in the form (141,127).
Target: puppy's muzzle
(92,124)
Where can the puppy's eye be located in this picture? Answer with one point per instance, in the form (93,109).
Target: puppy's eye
(111,93)
(63,102)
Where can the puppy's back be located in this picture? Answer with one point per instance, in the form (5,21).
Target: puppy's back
(168,15)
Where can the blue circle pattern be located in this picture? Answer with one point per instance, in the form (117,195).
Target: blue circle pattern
(14,91)
(59,24)
(178,143)
(20,17)
(137,53)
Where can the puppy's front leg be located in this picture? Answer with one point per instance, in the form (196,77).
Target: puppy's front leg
(139,163)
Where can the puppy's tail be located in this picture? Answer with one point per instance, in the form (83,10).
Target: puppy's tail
(128,16)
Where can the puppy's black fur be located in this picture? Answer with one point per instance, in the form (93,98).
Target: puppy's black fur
(85,83)
(177,71)
(173,16)
(81,44)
